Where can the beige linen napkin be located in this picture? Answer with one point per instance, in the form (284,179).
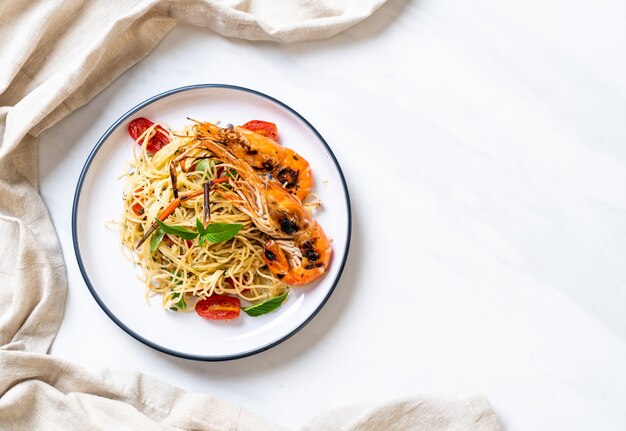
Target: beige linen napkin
(55,56)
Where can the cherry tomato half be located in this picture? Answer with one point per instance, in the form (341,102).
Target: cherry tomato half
(218,307)
(265,128)
(140,125)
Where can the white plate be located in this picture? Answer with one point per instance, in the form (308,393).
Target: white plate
(112,279)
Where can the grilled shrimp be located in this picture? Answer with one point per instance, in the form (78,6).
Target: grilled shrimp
(265,156)
(300,252)
(314,251)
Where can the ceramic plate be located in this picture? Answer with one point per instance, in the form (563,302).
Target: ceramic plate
(112,279)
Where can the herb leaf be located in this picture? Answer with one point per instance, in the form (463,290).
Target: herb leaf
(177,230)
(180,305)
(232,174)
(220,232)
(201,231)
(266,306)
(204,165)
(200,227)
(156,239)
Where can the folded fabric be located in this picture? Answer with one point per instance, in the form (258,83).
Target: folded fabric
(39,391)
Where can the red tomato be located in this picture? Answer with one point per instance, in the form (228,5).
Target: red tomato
(140,125)
(265,128)
(218,307)
(137,209)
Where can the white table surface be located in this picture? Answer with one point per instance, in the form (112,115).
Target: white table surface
(484,144)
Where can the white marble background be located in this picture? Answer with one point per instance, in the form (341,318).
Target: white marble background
(484,144)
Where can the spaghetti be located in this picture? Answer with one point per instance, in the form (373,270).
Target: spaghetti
(178,269)
(210,244)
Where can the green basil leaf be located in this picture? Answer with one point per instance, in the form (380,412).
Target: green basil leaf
(266,306)
(177,230)
(201,231)
(232,174)
(203,165)
(220,232)
(200,227)
(156,239)
(181,304)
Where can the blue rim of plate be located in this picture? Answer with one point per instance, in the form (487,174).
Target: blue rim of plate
(112,316)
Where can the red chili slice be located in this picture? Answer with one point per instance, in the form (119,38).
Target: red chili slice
(137,207)
(265,128)
(140,125)
(219,307)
